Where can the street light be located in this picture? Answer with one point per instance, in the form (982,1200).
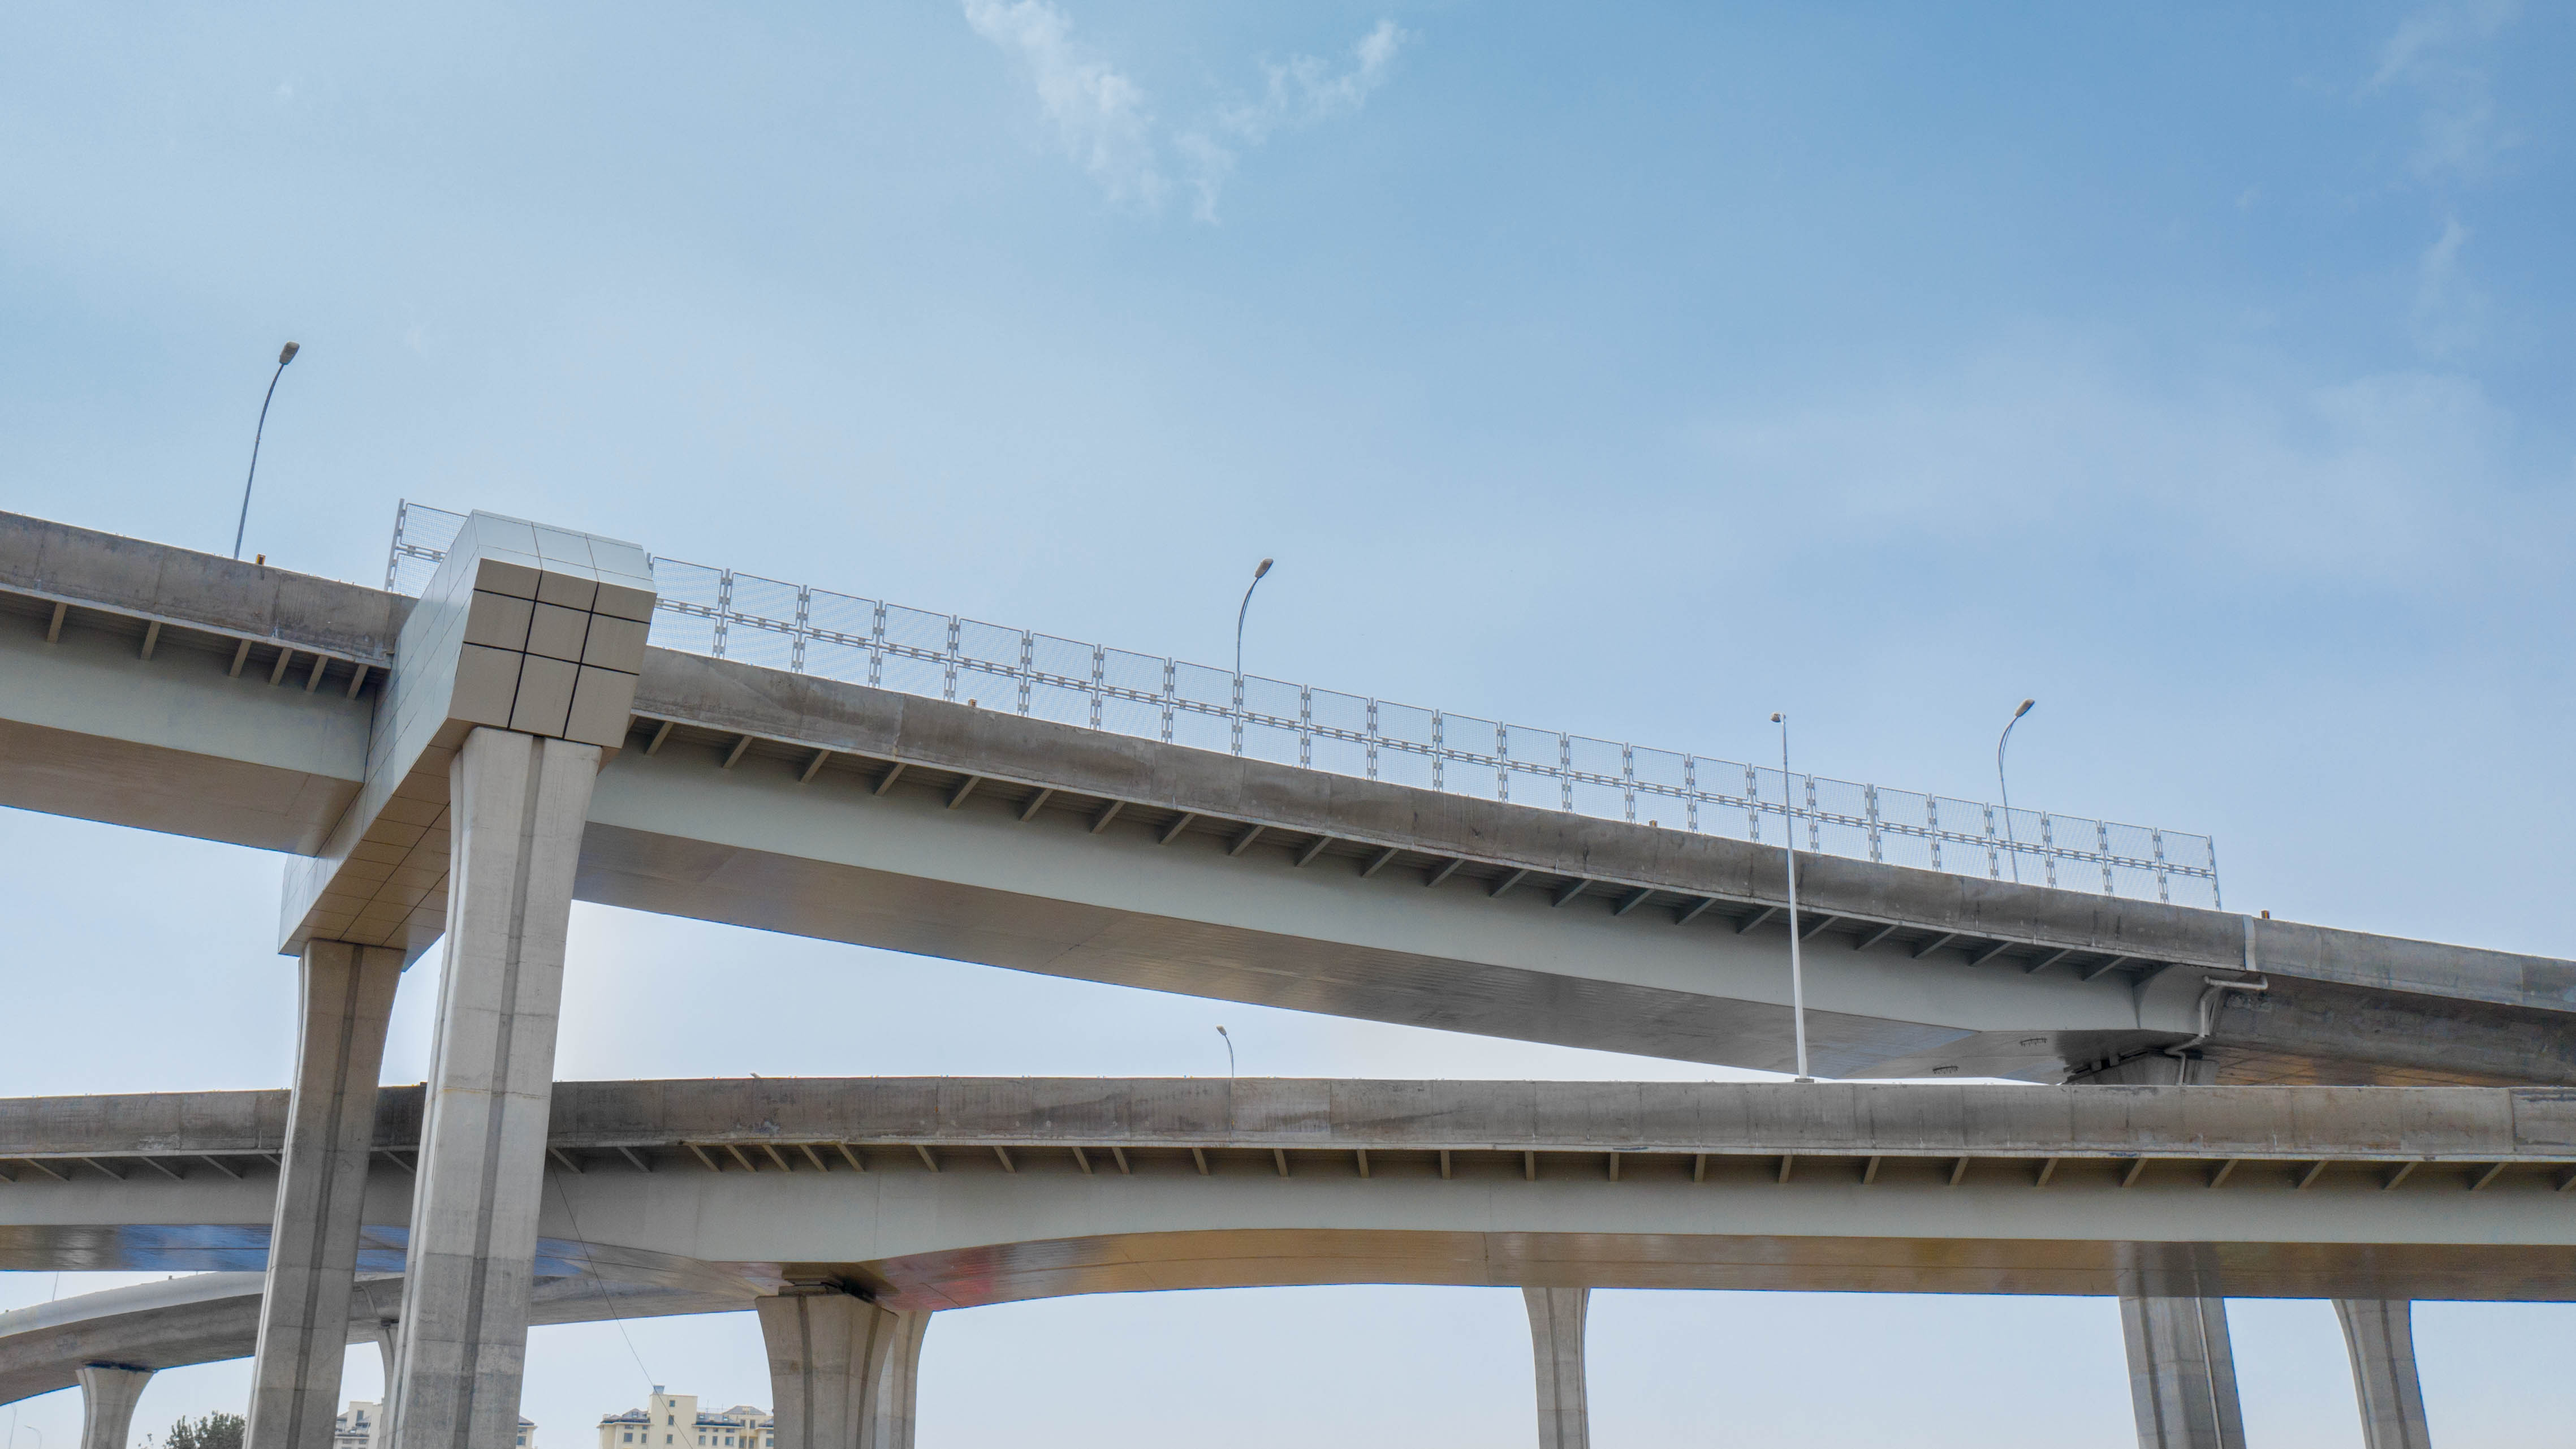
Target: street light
(1259,572)
(1797,971)
(285,355)
(1229,1053)
(2012,847)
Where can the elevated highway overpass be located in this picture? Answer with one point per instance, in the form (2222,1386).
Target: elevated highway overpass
(169,690)
(926,1194)
(465,765)
(934,1193)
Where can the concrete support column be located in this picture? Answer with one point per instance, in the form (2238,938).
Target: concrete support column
(380,1433)
(827,1356)
(109,1392)
(348,995)
(899,1385)
(1556,1343)
(517,804)
(2182,1373)
(2380,1333)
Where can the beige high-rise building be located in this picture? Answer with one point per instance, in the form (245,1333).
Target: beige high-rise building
(674,1421)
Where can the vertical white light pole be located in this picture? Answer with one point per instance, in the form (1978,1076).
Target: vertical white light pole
(1797,970)
(2012,847)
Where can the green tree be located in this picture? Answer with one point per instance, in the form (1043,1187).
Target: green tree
(217,1430)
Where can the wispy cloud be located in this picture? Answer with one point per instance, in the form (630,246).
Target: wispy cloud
(2439,53)
(1300,91)
(2449,307)
(1100,116)
(1105,122)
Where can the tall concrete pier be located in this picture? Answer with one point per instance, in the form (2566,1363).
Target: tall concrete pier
(347,998)
(1556,1317)
(2380,1334)
(518,805)
(109,1393)
(2182,1372)
(827,1358)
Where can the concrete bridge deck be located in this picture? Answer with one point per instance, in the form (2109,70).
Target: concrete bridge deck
(936,1193)
(155,687)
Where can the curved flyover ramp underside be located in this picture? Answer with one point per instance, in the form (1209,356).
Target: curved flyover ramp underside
(208,1317)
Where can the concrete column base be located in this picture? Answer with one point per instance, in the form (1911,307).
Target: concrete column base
(516,808)
(2380,1335)
(348,996)
(1556,1318)
(827,1357)
(899,1386)
(109,1392)
(2182,1373)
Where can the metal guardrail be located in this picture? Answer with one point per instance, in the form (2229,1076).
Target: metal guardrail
(806,630)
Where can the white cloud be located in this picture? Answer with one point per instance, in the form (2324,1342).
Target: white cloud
(2449,307)
(1100,116)
(1300,91)
(2437,52)
(1106,124)
(1304,89)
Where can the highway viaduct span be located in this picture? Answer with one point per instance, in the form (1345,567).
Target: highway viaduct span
(467,764)
(917,1195)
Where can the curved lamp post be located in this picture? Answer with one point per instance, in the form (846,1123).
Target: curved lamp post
(1229,1052)
(285,355)
(2012,847)
(1259,572)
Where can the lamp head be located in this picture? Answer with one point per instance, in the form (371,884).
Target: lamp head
(2025,708)
(1259,571)
(287,353)
(1776,717)
(1220,1031)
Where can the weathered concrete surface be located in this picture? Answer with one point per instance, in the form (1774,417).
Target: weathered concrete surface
(2379,1333)
(2462,1124)
(944,1193)
(2534,1125)
(109,1393)
(1556,1317)
(518,802)
(347,998)
(2182,1372)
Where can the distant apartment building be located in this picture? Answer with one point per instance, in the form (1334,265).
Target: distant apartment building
(356,1427)
(673,1421)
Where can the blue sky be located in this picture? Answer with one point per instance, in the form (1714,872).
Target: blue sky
(2204,372)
